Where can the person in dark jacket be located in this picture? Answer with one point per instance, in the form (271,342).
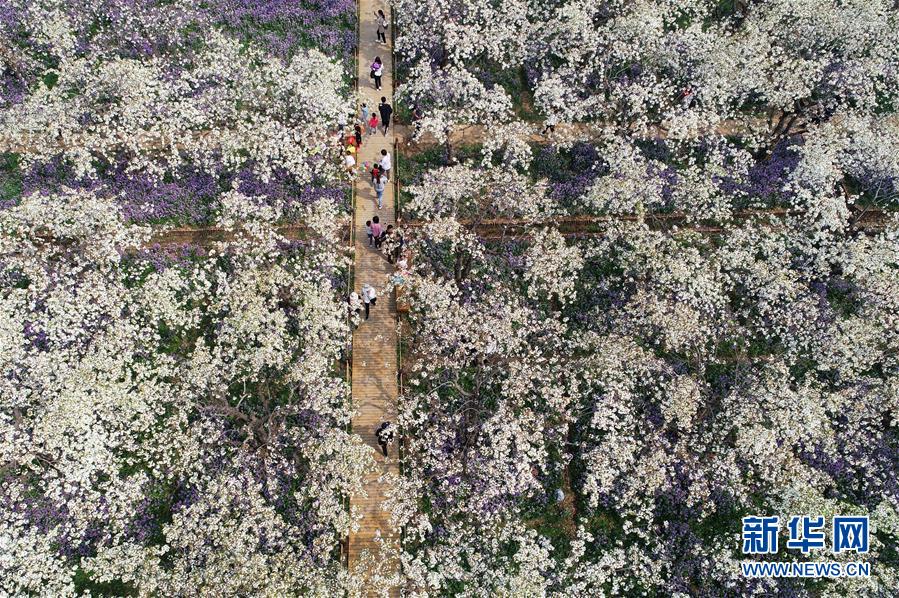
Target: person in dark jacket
(386,111)
(384,435)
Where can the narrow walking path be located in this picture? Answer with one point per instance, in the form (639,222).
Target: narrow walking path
(375,341)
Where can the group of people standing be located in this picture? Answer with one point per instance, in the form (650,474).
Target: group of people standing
(389,239)
(367,121)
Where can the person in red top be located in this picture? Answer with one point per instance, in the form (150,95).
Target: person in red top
(375,173)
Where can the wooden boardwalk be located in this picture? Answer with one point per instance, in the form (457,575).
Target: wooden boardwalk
(375,341)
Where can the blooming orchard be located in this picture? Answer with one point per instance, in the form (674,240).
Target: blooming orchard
(159,417)
(658,294)
(716,338)
(174,420)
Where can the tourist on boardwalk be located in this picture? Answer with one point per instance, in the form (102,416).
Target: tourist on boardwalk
(369,297)
(377,70)
(386,111)
(363,113)
(355,307)
(376,229)
(393,245)
(375,173)
(357,133)
(381,19)
(371,239)
(384,435)
(380,237)
(386,163)
(350,162)
(380,185)
(386,237)
(373,124)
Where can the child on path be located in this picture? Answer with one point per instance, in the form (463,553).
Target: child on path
(350,162)
(368,232)
(369,298)
(373,124)
(375,173)
(380,185)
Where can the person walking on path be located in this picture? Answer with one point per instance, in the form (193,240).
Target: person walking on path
(375,173)
(384,435)
(376,229)
(355,306)
(387,240)
(368,232)
(357,133)
(350,163)
(386,163)
(373,124)
(386,111)
(381,19)
(369,297)
(377,70)
(393,244)
(380,185)
(383,240)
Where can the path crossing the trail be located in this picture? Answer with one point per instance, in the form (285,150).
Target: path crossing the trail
(374,372)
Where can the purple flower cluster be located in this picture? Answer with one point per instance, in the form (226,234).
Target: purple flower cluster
(187,198)
(284,26)
(570,172)
(766,178)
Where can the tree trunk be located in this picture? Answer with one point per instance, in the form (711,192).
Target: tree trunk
(448,148)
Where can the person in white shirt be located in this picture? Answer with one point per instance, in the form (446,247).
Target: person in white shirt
(386,163)
(350,162)
(369,297)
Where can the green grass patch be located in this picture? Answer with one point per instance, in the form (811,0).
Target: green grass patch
(10,177)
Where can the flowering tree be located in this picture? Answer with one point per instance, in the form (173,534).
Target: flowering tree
(169,429)
(209,101)
(669,383)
